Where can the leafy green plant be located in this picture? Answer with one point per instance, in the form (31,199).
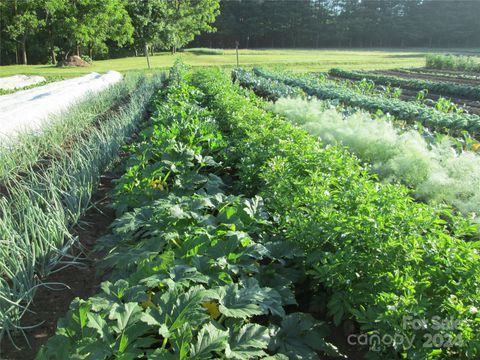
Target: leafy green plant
(272,90)
(393,92)
(379,255)
(87,59)
(364,86)
(446,106)
(421,95)
(194,273)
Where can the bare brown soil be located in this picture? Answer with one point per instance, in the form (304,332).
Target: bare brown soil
(432,77)
(473,107)
(52,302)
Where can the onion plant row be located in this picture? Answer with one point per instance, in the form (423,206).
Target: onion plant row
(447,122)
(195,272)
(436,87)
(28,148)
(376,257)
(436,172)
(41,203)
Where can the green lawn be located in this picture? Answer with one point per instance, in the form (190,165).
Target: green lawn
(296,60)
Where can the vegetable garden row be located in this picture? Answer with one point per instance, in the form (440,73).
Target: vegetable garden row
(451,76)
(239,235)
(438,87)
(436,171)
(413,112)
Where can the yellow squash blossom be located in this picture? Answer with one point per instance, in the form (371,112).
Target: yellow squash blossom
(157,184)
(212,308)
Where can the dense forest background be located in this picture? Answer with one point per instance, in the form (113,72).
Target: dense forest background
(345,23)
(43,31)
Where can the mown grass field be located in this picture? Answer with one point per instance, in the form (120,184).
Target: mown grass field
(295,60)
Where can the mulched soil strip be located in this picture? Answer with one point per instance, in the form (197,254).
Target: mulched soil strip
(50,305)
(432,77)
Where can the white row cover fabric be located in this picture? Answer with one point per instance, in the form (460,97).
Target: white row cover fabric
(19,81)
(29,110)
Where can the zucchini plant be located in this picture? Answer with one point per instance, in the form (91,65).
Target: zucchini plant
(195,272)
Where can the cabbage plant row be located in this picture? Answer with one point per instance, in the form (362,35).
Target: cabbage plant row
(413,112)
(436,87)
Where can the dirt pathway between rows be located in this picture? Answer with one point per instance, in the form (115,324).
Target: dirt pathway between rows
(49,305)
(432,77)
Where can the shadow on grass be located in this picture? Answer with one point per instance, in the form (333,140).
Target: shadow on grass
(405,56)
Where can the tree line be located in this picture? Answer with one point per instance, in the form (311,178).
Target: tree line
(345,23)
(41,31)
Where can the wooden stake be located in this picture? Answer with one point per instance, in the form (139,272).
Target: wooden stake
(236,48)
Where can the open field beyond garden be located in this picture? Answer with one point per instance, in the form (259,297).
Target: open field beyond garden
(295,60)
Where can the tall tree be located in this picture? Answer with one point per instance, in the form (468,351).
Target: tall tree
(148,22)
(170,23)
(24,22)
(54,11)
(90,23)
(185,19)
(372,23)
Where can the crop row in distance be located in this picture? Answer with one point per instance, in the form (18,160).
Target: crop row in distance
(450,123)
(437,87)
(453,62)
(345,222)
(272,89)
(421,96)
(435,172)
(452,76)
